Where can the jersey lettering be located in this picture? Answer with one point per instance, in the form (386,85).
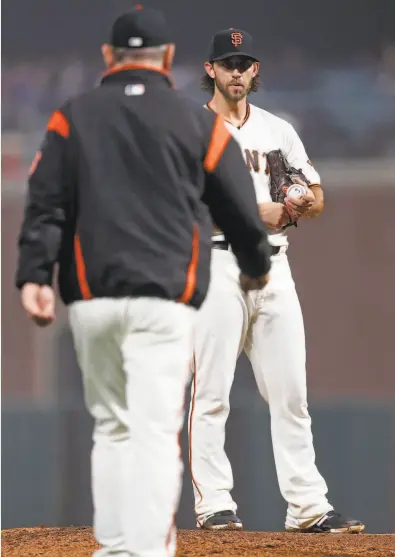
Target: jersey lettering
(252,160)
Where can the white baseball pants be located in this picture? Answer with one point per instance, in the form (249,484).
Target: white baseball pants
(135,360)
(268,324)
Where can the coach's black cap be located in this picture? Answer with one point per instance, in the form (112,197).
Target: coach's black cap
(140,28)
(231,42)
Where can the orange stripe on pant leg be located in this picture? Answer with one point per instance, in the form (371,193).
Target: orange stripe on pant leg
(190,283)
(193,401)
(173,522)
(168,538)
(81,271)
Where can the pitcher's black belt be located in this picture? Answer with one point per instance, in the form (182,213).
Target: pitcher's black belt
(223,244)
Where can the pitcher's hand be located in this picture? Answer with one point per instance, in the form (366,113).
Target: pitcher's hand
(273,215)
(302,204)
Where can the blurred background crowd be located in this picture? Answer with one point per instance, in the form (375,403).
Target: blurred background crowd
(349,106)
(327,66)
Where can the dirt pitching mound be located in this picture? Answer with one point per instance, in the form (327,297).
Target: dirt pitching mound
(79,542)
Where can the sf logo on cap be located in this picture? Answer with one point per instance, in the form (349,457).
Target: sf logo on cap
(237,39)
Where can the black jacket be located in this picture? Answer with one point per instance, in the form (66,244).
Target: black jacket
(115,195)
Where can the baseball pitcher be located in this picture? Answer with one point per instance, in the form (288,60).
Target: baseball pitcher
(268,325)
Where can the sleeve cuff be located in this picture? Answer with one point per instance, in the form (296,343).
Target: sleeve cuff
(37,276)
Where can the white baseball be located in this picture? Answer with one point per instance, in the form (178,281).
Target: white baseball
(296,191)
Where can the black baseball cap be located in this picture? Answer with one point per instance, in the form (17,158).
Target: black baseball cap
(231,42)
(140,28)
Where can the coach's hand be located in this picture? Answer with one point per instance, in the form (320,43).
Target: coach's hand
(247,283)
(274,215)
(39,303)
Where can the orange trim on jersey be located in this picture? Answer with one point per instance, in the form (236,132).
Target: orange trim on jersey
(190,283)
(131,66)
(247,115)
(124,67)
(193,402)
(81,270)
(248,112)
(209,107)
(35,161)
(58,123)
(220,137)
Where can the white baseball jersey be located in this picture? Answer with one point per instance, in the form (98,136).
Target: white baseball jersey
(260,133)
(261,323)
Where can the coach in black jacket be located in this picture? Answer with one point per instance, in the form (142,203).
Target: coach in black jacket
(115,193)
(119,197)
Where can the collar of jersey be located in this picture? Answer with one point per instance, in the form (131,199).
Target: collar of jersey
(138,71)
(248,112)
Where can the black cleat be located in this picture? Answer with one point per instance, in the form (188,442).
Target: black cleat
(332,523)
(222,520)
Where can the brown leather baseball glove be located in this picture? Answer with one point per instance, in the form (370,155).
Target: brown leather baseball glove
(282,176)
